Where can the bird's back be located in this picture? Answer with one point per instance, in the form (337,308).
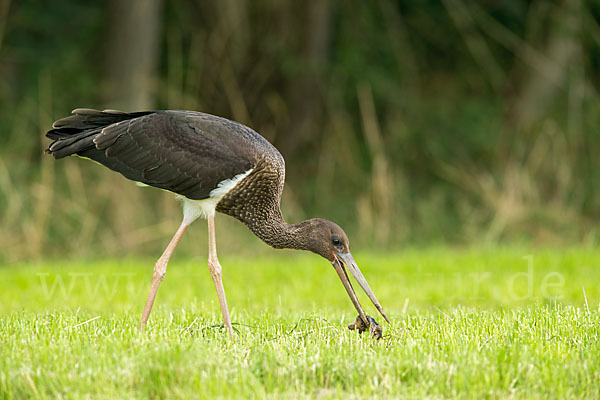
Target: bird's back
(186,152)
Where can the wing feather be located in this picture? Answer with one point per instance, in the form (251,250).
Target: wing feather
(184,152)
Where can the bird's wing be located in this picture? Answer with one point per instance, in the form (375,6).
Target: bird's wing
(184,152)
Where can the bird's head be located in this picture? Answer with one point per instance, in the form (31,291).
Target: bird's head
(330,241)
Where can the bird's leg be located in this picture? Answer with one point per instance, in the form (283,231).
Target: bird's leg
(160,270)
(215,271)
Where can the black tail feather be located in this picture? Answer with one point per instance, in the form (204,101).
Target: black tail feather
(75,134)
(71,143)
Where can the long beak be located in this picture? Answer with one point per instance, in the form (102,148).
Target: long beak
(346,260)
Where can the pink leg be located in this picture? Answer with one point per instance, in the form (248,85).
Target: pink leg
(160,270)
(215,271)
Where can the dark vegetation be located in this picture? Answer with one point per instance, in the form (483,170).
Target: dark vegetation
(436,121)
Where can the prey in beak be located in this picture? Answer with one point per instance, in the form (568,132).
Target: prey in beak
(343,261)
(327,239)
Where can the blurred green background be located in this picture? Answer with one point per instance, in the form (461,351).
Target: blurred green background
(408,123)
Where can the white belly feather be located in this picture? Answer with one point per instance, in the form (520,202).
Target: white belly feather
(192,209)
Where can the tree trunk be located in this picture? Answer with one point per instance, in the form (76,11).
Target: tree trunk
(132,54)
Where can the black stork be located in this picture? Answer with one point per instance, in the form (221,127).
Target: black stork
(211,164)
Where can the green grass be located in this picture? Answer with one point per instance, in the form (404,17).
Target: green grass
(465,324)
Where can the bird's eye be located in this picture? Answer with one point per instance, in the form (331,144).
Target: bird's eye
(336,241)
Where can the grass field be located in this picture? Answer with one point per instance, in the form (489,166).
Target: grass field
(486,323)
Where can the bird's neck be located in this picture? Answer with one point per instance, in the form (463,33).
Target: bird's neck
(279,234)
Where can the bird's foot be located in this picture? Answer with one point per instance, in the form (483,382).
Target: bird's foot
(374,328)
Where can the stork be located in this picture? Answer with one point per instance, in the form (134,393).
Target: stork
(211,164)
